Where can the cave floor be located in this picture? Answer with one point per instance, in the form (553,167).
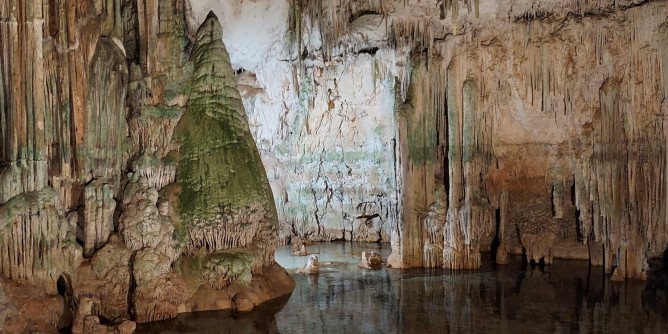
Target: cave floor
(566,297)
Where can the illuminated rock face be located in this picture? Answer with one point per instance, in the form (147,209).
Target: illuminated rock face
(326,130)
(454,128)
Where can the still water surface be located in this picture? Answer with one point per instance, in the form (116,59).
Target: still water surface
(567,297)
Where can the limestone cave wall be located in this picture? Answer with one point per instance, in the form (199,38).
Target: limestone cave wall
(134,144)
(131,187)
(511,127)
(524,127)
(550,135)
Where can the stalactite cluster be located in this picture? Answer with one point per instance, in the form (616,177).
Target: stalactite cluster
(37,243)
(548,141)
(95,99)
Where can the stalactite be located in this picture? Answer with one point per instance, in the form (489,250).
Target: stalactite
(23,144)
(99,206)
(433,231)
(331,19)
(609,174)
(36,242)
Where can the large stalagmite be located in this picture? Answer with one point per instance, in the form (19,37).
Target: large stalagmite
(224,196)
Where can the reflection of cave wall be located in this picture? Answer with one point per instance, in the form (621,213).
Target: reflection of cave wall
(570,298)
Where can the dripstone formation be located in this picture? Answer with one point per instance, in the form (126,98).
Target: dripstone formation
(131,188)
(456,128)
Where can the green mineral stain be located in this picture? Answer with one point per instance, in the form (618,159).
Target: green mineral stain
(190,268)
(236,265)
(233,265)
(163,112)
(147,160)
(219,167)
(422,140)
(422,127)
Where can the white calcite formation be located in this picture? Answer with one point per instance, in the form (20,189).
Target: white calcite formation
(442,126)
(312,265)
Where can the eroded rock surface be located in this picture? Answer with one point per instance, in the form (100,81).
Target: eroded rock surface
(124,147)
(312,266)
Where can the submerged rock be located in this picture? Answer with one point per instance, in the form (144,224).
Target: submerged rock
(301,251)
(372,261)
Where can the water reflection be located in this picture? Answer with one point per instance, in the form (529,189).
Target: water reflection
(568,297)
(261,321)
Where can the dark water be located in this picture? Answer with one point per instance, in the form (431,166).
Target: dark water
(567,297)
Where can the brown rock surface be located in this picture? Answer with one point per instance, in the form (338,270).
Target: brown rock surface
(90,96)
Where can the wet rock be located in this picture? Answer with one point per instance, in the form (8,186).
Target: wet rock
(371,261)
(301,251)
(242,303)
(312,265)
(127,327)
(297,242)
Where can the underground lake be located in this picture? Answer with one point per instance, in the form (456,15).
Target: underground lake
(565,297)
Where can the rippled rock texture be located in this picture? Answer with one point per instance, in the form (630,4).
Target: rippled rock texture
(126,156)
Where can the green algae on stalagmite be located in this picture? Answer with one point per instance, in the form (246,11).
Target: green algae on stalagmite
(219,172)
